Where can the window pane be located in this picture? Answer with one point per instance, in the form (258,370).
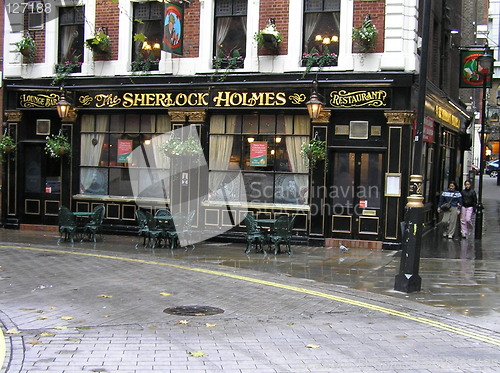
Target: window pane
(267,124)
(71,32)
(343,169)
(291,189)
(132,123)
(370,182)
(321,31)
(230,36)
(259,187)
(152,183)
(250,124)
(120,181)
(225,186)
(147,123)
(94,181)
(117,123)
(314,5)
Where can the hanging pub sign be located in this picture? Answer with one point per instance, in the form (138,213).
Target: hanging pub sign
(258,154)
(173,28)
(470,76)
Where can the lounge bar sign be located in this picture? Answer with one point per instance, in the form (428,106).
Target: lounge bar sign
(38,100)
(356,98)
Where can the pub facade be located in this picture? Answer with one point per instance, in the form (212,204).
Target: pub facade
(251,123)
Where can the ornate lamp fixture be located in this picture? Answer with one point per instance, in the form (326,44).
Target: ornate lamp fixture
(63,107)
(314,105)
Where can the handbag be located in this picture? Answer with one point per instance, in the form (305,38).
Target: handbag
(445,206)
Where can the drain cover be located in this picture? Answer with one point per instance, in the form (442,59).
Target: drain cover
(193,310)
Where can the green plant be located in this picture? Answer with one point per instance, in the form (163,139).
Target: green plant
(313,152)
(144,62)
(27,47)
(269,36)
(62,70)
(365,36)
(7,144)
(100,42)
(316,59)
(176,147)
(228,61)
(57,145)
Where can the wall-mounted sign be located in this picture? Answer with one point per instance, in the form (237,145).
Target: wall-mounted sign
(172,32)
(428,130)
(348,98)
(258,154)
(38,100)
(124,150)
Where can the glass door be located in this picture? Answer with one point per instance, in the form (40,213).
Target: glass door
(355,195)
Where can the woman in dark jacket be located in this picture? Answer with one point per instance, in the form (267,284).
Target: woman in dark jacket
(453,198)
(469,201)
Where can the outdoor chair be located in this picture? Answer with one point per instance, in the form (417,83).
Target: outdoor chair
(94,225)
(155,232)
(67,224)
(255,236)
(170,233)
(282,233)
(142,222)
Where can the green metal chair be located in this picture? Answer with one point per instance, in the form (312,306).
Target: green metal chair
(255,236)
(67,224)
(282,233)
(94,226)
(170,233)
(155,232)
(142,221)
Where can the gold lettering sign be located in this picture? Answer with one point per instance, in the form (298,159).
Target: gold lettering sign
(447,117)
(359,98)
(38,101)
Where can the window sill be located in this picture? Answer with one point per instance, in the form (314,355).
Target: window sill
(104,198)
(257,205)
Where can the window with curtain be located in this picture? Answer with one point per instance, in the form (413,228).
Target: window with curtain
(266,148)
(230,27)
(321,25)
(104,170)
(71,43)
(148,21)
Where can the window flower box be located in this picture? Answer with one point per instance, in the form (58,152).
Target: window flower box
(318,59)
(99,43)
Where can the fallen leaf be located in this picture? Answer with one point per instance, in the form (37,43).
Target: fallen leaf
(74,339)
(165,294)
(106,315)
(27,309)
(47,334)
(197,354)
(152,327)
(210,325)
(183,322)
(42,318)
(66,318)
(83,327)
(313,346)
(33,342)
(40,311)
(290,323)
(61,327)
(105,296)
(200,314)
(53,308)
(12,331)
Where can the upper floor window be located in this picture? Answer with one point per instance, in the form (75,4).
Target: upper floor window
(230,28)
(71,42)
(321,25)
(146,51)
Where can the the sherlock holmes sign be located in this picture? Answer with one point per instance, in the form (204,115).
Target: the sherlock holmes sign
(214,99)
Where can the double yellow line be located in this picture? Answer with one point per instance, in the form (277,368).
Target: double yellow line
(388,311)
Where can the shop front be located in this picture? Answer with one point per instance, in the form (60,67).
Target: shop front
(251,134)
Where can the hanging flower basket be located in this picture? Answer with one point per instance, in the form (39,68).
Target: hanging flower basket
(57,146)
(100,43)
(7,145)
(174,147)
(313,152)
(365,36)
(27,47)
(269,37)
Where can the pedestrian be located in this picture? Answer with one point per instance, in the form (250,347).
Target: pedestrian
(469,201)
(449,204)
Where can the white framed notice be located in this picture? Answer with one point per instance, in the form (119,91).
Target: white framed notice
(393,185)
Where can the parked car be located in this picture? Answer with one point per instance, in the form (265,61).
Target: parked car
(492,168)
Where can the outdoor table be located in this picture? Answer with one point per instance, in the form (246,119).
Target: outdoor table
(267,222)
(82,218)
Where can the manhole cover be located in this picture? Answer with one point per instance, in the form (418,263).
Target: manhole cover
(193,311)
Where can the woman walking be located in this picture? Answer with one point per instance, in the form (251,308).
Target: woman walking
(449,204)
(469,201)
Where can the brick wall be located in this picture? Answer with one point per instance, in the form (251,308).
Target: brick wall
(191,30)
(107,14)
(277,9)
(376,10)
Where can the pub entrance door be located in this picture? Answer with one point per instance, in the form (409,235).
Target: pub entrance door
(355,194)
(41,187)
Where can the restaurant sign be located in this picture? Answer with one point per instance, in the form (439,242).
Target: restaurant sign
(356,98)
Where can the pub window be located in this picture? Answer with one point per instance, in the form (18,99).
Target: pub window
(71,25)
(321,26)
(148,22)
(230,29)
(104,167)
(266,148)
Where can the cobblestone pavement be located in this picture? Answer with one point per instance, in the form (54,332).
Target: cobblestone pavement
(100,308)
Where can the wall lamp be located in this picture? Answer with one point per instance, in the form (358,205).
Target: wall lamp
(63,107)
(314,105)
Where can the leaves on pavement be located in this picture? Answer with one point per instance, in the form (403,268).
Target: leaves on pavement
(197,353)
